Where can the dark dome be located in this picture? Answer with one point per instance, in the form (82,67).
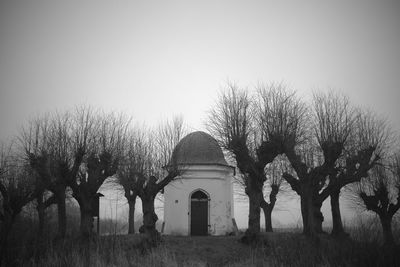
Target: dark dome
(199,148)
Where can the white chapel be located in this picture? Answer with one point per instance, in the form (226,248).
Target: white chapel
(200,201)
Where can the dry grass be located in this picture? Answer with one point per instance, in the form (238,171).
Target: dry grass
(281,249)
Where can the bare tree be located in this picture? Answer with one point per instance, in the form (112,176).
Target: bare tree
(64,164)
(255,131)
(274,185)
(167,136)
(47,143)
(80,150)
(146,153)
(343,145)
(164,168)
(230,123)
(136,163)
(16,190)
(367,147)
(34,140)
(380,193)
(315,160)
(98,141)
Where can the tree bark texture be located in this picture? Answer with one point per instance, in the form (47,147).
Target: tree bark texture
(41,214)
(318,217)
(86,227)
(255,197)
(309,214)
(304,214)
(149,220)
(337,225)
(131,222)
(267,216)
(268,207)
(61,213)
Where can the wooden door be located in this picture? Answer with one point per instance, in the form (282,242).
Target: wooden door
(199,214)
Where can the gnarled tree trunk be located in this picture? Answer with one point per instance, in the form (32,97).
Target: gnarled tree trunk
(254,211)
(309,228)
(131,219)
(267,216)
(310,224)
(149,220)
(268,207)
(85,206)
(337,225)
(61,212)
(41,214)
(255,195)
(318,217)
(86,227)
(304,214)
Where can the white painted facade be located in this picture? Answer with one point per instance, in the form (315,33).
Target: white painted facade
(216,181)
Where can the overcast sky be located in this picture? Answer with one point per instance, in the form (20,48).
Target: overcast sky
(153,59)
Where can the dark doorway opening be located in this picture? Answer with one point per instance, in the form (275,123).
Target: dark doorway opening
(199,213)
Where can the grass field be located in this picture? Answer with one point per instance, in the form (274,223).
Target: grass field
(284,247)
(279,249)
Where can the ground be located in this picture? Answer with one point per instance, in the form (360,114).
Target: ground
(276,249)
(279,249)
(213,250)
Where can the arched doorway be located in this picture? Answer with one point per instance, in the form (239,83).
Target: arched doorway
(199,213)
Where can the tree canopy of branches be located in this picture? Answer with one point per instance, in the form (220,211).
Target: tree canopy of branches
(78,149)
(97,142)
(255,131)
(45,144)
(367,147)
(82,148)
(343,144)
(380,194)
(315,160)
(328,145)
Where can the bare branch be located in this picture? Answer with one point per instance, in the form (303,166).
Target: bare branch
(280,116)
(333,119)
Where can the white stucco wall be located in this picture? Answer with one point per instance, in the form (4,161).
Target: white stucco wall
(217,182)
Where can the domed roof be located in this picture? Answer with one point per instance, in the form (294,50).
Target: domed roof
(199,148)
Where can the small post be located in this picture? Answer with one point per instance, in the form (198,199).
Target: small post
(98,225)
(162,227)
